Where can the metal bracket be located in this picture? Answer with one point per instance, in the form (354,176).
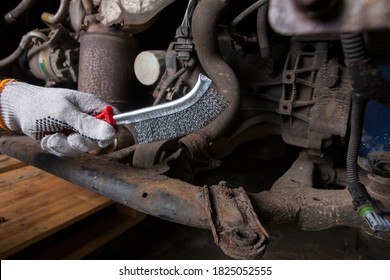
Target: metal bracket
(234,223)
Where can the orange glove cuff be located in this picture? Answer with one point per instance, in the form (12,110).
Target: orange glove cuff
(2,85)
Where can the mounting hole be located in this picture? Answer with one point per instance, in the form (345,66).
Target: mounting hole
(288,77)
(145,195)
(285,108)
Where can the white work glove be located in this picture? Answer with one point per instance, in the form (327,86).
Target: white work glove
(44,113)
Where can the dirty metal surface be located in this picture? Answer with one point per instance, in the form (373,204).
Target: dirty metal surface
(292,198)
(108,81)
(144,190)
(316,96)
(234,223)
(291,18)
(130,12)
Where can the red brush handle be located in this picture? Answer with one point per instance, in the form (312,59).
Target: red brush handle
(108,116)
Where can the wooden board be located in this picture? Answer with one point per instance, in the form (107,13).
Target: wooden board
(7,163)
(35,204)
(87,239)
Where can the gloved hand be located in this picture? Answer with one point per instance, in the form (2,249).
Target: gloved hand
(44,114)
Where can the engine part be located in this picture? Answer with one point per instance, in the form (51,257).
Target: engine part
(24,45)
(106,65)
(315,94)
(262,31)
(89,6)
(314,17)
(178,60)
(76,14)
(165,84)
(251,9)
(316,8)
(183,46)
(131,12)
(23,7)
(59,16)
(147,156)
(262,35)
(204,25)
(149,66)
(56,60)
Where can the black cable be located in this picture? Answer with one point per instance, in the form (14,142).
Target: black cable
(167,83)
(354,51)
(357,118)
(247,12)
(366,79)
(354,47)
(23,7)
(262,36)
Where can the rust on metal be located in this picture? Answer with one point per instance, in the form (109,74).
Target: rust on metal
(296,17)
(227,212)
(234,223)
(106,65)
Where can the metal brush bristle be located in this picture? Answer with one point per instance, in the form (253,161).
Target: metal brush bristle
(181,123)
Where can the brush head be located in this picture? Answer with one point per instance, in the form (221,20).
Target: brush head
(183,122)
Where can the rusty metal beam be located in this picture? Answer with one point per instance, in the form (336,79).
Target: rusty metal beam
(292,199)
(151,193)
(143,190)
